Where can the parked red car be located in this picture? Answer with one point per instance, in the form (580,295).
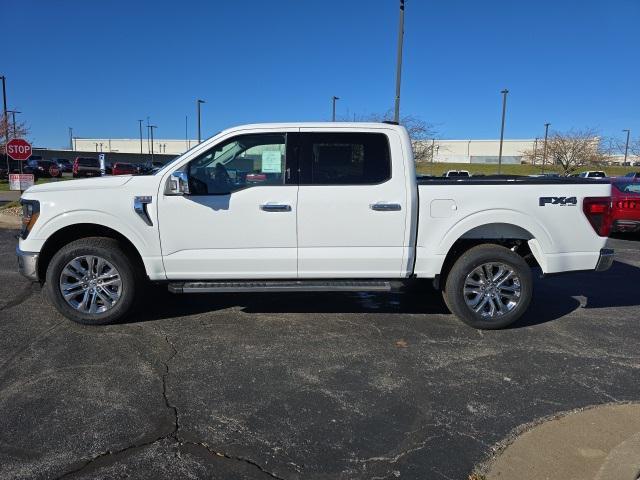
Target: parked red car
(625,196)
(121,168)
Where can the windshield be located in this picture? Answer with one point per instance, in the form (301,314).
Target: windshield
(171,162)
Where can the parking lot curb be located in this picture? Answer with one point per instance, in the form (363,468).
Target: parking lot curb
(599,443)
(10,222)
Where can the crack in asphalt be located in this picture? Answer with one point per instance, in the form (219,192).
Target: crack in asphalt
(172,435)
(22,296)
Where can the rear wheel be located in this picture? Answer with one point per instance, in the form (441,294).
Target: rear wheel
(489,287)
(91,281)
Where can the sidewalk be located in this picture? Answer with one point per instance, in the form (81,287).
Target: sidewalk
(601,443)
(9,195)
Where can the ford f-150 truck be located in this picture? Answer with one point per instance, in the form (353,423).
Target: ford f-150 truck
(309,207)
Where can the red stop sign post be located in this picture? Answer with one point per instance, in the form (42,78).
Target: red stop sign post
(19,149)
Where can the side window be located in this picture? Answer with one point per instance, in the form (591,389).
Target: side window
(240,162)
(345,158)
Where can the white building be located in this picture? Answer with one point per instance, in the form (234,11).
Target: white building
(132,145)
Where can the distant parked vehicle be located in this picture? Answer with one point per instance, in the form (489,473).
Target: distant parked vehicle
(86,167)
(625,205)
(63,164)
(150,168)
(592,174)
(457,173)
(122,168)
(42,168)
(632,175)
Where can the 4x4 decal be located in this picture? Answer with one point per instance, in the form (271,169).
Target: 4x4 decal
(562,201)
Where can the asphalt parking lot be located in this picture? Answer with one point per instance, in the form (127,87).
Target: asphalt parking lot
(302,386)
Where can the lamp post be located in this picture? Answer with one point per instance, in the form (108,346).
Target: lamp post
(504,111)
(333,110)
(626,146)
(198,103)
(140,126)
(535,151)
(13,116)
(396,113)
(71,138)
(544,150)
(151,127)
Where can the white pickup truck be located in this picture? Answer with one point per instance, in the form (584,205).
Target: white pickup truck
(308,207)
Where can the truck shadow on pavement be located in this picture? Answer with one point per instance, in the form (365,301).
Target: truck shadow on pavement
(554,297)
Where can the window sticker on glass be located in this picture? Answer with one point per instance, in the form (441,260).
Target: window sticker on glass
(271,161)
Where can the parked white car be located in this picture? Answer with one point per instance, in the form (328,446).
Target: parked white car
(308,207)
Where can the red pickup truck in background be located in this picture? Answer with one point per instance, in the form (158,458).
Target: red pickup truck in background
(625,203)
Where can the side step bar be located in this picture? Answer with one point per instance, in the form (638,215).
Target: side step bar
(219,286)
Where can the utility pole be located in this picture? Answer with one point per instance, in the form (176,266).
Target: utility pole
(148,141)
(333,114)
(396,114)
(140,125)
(151,127)
(198,103)
(544,151)
(70,138)
(504,111)
(626,147)
(6,121)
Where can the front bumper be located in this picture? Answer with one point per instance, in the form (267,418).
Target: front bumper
(605,260)
(28,264)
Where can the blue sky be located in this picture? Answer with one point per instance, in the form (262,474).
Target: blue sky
(100,66)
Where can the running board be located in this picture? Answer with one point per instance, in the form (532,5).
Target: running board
(234,286)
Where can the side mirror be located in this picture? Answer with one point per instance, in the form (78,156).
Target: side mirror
(178,184)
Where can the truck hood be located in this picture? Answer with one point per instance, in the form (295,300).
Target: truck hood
(82,184)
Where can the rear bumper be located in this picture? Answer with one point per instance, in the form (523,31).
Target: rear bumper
(28,264)
(605,260)
(626,225)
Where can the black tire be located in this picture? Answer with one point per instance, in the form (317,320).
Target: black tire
(454,295)
(111,251)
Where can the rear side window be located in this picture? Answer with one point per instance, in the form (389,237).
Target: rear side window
(88,162)
(345,158)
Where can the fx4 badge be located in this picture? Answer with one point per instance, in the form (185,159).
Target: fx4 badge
(562,201)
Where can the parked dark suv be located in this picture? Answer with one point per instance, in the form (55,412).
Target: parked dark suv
(86,167)
(64,164)
(42,168)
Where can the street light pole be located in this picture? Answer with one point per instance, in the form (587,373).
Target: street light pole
(13,115)
(151,127)
(140,125)
(504,111)
(626,147)
(396,113)
(333,111)
(544,151)
(70,138)
(198,103)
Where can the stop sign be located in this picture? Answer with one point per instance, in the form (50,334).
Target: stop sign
(19,149)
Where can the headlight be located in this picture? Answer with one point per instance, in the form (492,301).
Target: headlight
(30,213)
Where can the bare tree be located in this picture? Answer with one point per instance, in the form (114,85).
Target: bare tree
(6,126)
(570,150)
(420,132)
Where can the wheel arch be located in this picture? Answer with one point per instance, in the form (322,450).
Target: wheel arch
(514,237)
(77,231)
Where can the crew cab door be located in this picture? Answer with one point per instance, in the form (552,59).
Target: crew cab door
(352,204)
(239,219)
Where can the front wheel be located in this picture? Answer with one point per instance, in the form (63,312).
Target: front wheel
(489,287)
(91,281)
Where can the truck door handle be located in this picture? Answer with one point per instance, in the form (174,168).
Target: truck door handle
(385,207)
(275,207)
